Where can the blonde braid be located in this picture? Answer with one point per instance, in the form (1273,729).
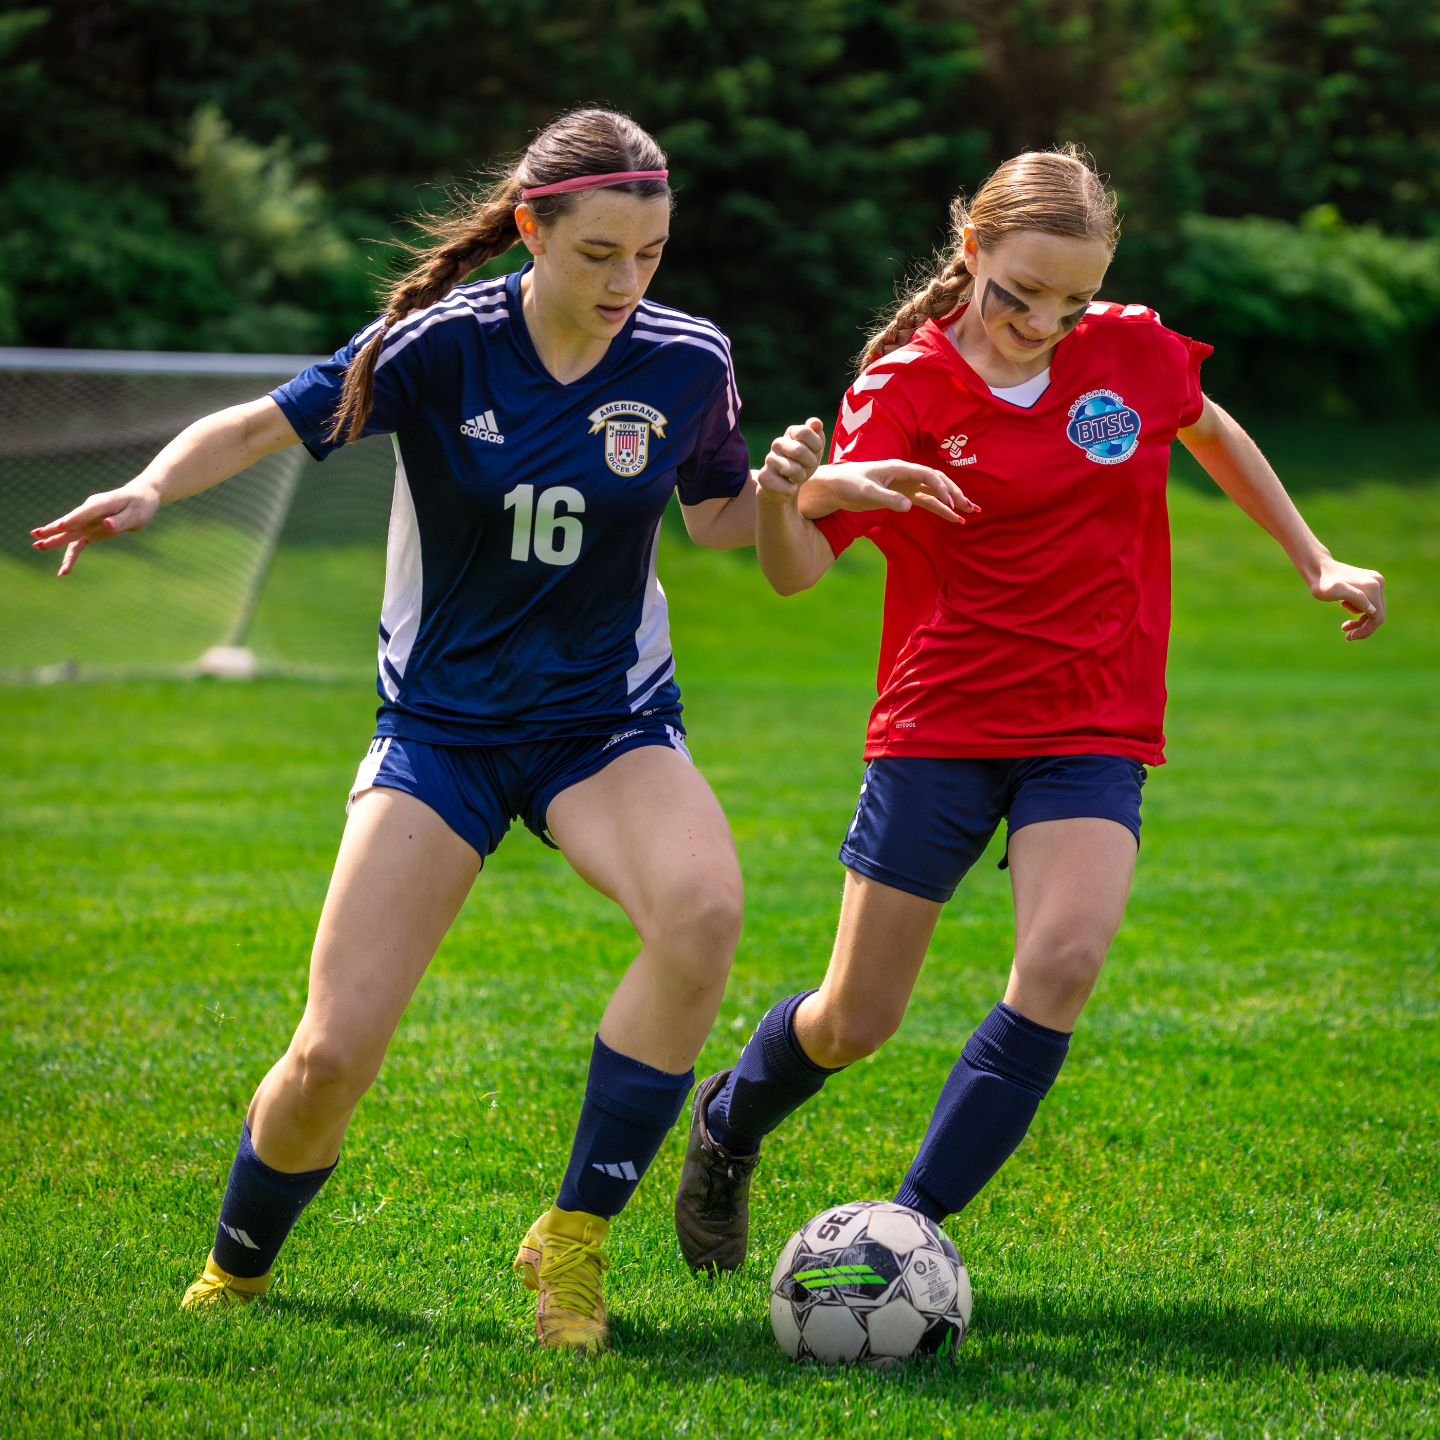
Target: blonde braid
(1051,192)
(944,293)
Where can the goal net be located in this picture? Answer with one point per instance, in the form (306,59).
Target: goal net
(279,570)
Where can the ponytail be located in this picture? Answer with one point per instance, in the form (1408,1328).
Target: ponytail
(468,241)
(584,142)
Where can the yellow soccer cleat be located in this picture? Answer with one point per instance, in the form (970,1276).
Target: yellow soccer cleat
(220,1287)
(561,1258)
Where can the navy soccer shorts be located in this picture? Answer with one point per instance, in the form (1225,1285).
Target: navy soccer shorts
(921,824)
(478,789)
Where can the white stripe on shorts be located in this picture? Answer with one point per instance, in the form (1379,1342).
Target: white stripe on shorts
(369,769)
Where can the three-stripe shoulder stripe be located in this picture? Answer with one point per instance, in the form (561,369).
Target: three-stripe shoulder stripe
(663,314)
(485,302)
(486,290)
(660,325)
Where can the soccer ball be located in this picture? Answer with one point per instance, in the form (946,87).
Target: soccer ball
(871,1283)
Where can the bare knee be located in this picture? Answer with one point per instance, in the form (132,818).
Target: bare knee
(698,930)
(327,1077)
(839,1035)
(1053,980)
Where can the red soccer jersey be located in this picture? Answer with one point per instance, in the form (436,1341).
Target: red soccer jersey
(1041,626)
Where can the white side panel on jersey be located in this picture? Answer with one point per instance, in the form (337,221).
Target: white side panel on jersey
(652,638)
(400,610)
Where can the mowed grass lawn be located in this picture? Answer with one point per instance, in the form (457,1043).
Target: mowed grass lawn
(1225,1221)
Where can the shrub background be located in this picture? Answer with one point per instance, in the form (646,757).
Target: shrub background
(221,174)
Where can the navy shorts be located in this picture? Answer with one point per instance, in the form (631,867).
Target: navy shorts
(921,824)
(478,789)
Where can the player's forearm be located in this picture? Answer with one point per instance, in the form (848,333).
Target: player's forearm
(793,554)
(215,448)
(723,524)
(1235,463)
(818,498)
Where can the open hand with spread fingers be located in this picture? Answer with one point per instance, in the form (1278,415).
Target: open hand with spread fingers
(101,517)
(885,485)
(1360,591)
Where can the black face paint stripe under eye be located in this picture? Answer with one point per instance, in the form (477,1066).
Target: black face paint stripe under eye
(999,295)
(1070,321)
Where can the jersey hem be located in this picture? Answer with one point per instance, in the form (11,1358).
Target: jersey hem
(1145,752)
(431,732)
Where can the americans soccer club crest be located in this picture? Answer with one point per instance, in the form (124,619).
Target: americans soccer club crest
(627,424)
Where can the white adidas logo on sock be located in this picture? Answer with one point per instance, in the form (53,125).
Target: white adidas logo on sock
(623,1171)
(483,427)
(239,1236)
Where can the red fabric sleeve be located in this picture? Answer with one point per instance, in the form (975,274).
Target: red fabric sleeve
(876,422)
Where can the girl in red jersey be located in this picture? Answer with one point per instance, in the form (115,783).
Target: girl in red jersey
(1022,663)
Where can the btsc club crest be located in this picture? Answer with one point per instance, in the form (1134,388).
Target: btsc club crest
(1104,427)
(627,424)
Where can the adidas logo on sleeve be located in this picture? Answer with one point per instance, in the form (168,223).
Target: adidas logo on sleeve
(483,427)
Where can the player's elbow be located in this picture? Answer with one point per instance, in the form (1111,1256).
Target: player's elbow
(789,578)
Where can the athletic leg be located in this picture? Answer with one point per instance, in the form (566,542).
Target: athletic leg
(879,949)
(880,945)
(647,832)
(399,880)
(1071,880)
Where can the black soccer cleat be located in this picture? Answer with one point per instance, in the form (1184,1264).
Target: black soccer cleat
(712,1209)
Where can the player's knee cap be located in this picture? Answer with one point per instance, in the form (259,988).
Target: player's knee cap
(1068,967)
(847,1037)
(333,1074)
(707,924)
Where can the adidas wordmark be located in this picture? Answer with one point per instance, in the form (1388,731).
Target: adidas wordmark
(483,427)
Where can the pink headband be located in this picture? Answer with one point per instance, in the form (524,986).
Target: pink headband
(594,182)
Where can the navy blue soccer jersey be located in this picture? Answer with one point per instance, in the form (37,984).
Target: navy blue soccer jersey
(521,599)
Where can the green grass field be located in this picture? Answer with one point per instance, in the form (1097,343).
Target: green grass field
(1225,1221)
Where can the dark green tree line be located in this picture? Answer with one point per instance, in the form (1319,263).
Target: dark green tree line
(221,174)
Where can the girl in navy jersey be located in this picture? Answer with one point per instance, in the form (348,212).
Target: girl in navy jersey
(1022,664)
(541,423)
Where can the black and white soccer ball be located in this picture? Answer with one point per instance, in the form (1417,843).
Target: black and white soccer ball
(871,1283)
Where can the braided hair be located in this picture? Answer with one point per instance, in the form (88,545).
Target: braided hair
(583,142)
(1056,192)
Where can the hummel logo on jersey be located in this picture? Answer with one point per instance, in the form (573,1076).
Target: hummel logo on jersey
(952,445)
(483,427)
(623,1171)
(239,1236)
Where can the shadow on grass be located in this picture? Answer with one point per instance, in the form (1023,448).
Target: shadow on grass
(1067,1346)
(396,1321)
(1026,1353)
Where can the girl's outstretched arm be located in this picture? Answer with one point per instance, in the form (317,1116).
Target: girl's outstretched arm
(1234,462)
(200,456)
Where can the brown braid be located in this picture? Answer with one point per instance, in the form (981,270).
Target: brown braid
(585,142)
(1055,192)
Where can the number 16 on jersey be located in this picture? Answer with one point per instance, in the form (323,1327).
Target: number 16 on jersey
(547,528)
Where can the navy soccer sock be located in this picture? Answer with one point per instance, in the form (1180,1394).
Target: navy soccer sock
(628,1111)
(986,1107)
(772,1078)
(261,1207)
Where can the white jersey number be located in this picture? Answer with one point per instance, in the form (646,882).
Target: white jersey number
(554,534)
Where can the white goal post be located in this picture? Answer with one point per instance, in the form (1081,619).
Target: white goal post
(277,571)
